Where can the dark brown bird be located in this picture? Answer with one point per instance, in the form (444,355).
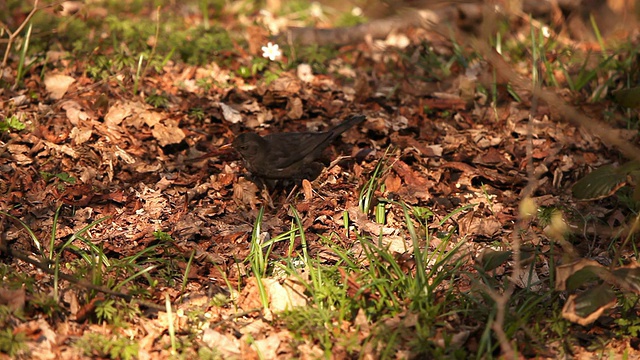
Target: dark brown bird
(288,155)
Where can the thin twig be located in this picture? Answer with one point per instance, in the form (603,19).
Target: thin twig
(13,35)
(235,316)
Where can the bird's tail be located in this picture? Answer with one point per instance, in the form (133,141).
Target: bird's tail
(353,120)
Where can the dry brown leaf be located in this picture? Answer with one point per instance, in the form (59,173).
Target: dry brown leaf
(148,117)
(256,327)
(230,114)
(268,347)
(80,136)
(19,153)
(307,190)
(286,85)
(527,278)
(249,297)
(13,299)
(228,346)
(392,183)
(245,193)
(75,112)
(45,339)
(361,221)
(286,295)
(118,112)
(57,85)
(491,156)
(476,223)
(563,272)
(295,108)
(395,244)
(168,134)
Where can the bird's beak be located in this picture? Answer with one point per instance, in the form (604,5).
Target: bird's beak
(224,147)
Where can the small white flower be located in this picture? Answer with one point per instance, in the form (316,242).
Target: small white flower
(546,32)
(356,11)
(271,51)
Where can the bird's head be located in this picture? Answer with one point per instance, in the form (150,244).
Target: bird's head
(249,145)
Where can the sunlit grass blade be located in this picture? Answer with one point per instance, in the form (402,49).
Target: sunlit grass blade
(23,56)
(185,277)
(367,193)
(257,258)
(303,238)
(132,277)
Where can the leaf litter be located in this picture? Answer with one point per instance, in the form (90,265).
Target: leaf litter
(152,170)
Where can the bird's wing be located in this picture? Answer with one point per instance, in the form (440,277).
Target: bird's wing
(287,149)
(290,148)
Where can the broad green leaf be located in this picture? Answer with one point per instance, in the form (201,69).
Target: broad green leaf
(491,259)
(604,181)
(588,306)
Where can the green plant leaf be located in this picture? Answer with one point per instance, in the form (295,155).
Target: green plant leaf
(66,178)
(582,277)
(628,278)
(12,123)
(603,181)
(587,307)
(566,271)
(491,259)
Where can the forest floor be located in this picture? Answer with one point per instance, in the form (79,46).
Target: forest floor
(129,230)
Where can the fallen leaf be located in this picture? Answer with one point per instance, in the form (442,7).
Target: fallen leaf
(228,346)
(117,113)
(392,182)
(13,299)
(230,114)
(57,85)
(268,347)
(75,112)
(80,136)
(295,108)
(167,135)
(284,295)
